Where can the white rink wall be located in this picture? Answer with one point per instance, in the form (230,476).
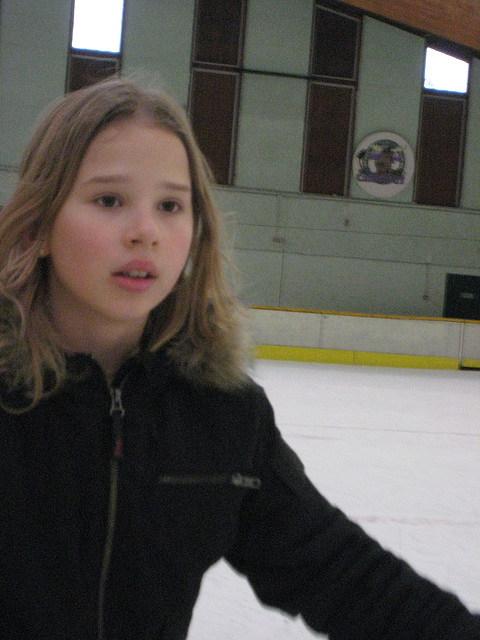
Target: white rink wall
(457,340)
(398,450)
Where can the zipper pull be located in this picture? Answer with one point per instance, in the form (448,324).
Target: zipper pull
(249,482)
(117,412)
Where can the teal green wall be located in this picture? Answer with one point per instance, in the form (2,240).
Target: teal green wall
(471,174)
(157,42)
(278,36)
(357,254)
(389,89)
(33,49)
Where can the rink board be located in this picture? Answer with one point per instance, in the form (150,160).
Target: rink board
(316,336)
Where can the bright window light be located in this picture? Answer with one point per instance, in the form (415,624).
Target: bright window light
(445,73)
(97,25)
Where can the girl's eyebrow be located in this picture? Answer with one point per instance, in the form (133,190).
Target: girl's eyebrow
(109,179)
(177,186)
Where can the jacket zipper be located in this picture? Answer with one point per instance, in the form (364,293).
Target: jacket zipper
(235,479)
(117,412)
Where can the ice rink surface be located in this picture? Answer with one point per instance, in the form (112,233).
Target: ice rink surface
(398,450)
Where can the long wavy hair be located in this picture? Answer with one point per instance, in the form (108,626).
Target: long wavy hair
(200,321)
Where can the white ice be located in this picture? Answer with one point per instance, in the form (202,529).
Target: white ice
(398,450)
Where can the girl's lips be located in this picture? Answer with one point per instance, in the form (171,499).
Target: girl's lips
(138,267)
(133,284)
(136,275)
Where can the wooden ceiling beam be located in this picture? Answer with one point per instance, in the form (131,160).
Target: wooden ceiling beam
(454,20)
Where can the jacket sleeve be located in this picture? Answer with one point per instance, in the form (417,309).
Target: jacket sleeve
(304,556)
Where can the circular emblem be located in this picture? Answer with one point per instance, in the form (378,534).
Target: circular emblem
(383,164)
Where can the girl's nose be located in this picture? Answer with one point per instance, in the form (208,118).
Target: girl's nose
(142,229)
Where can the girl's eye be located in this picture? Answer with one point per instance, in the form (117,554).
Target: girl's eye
(108,201)
(170,206)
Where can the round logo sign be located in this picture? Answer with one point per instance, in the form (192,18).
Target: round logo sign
(383,164)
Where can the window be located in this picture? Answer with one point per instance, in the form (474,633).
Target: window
(331,101)
(96,42)
(443,118)
(444,72)
(215,81)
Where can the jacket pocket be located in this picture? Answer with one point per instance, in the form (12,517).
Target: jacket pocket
(235,479)
(194,516)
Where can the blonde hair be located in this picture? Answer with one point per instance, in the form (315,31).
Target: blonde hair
(201,320)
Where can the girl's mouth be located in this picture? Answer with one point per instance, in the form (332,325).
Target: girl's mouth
(134,281)
(135,273)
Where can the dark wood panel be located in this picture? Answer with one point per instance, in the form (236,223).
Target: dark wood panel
(327,139)
(219,32)
(84,70)
(213,99)
(335,45)
(455,20)
(440,155)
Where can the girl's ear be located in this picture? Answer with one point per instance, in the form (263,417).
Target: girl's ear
(44,249)
(28,238)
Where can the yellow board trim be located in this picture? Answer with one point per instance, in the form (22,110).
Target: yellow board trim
(333,356)
(471,364)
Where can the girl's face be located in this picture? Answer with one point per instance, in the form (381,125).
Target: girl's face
(122,237)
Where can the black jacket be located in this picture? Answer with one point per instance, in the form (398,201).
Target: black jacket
(203,474)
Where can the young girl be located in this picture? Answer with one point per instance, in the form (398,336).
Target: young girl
(134,449)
